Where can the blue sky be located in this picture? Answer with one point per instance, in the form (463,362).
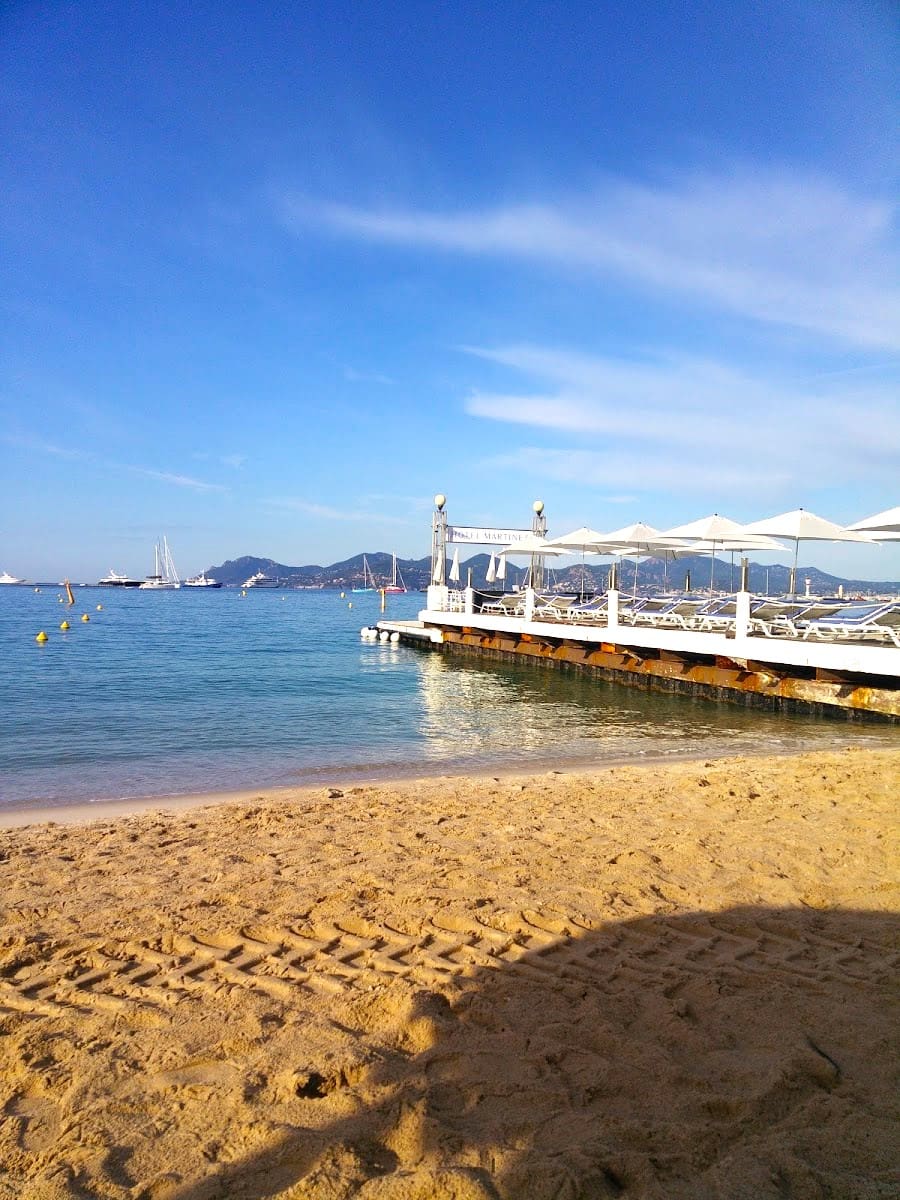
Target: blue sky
(273,275)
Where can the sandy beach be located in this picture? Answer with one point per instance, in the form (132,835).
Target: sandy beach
(672,980)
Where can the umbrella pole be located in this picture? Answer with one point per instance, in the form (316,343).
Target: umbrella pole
(712,569)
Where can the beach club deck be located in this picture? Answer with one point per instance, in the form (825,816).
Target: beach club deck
(828,655)
(736,662)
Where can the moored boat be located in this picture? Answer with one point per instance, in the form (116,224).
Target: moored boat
(165,577)
(396,586)
(261,580)
(7,578)
(202,581)
(114,579)
(368,579)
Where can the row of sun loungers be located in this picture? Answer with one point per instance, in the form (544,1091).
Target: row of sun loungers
(784,617)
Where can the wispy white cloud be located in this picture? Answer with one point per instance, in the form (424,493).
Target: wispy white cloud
(37,445)
(326,512)
(185,481)
(688,423)
(647,470)
(354,376)
(235,461)
(779,246)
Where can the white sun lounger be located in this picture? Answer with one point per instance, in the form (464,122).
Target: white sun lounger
(865,622)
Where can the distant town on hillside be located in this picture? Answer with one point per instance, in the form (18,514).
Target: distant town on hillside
(651,573)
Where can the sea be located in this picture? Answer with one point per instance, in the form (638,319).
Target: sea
(161,694)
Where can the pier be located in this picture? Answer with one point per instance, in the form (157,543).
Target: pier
(773,653)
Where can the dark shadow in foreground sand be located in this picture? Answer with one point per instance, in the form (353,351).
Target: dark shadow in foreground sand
(731,1055)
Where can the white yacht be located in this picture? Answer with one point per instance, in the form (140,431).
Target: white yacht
(165,577)
(261,580)
(114,579)
(7,578)
(202,581)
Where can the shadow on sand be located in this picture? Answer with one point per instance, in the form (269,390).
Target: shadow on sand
(745,1053)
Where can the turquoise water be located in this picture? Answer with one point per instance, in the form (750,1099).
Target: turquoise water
(176,692)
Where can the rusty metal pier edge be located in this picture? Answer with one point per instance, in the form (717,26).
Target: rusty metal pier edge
(712,677)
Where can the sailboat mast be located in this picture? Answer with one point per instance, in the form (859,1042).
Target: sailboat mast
(171,573)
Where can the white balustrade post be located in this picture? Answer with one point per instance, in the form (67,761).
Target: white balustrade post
(742,615)
(529,604)
(469,600)
(612,608)
(438,598)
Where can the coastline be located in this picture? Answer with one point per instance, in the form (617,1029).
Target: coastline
(81,812)
(458,987)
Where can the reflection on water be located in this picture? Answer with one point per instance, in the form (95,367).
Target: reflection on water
(473,712)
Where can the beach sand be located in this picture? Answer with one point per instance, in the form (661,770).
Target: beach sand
(664,981)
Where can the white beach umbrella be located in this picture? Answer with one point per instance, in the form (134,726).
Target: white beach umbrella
(637,541)
(729,546)
(711,532)
(530,543)
(454,567)
(635,535)
(800,525)
(883,522)
(491,573)
(587,541)
(711,529)
(501,570)
(533,547)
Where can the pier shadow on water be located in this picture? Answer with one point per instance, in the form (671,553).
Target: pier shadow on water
(738,1054)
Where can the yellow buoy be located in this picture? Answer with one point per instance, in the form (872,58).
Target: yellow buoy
(85,617)
(343,595)
(65,625)
(41,637)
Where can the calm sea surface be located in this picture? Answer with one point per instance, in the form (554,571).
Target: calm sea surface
(177,692)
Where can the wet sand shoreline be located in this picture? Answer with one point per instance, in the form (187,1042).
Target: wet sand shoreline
(671,979)
(80,812)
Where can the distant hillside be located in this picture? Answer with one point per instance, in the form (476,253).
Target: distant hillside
(236,571)
(347,574)
(653,573)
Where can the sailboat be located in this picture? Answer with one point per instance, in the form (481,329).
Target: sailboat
(396,585)
(167,577)
(368,579)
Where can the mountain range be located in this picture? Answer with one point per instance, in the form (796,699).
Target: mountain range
(652,573)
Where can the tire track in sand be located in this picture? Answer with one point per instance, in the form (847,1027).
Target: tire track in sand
(332,958)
